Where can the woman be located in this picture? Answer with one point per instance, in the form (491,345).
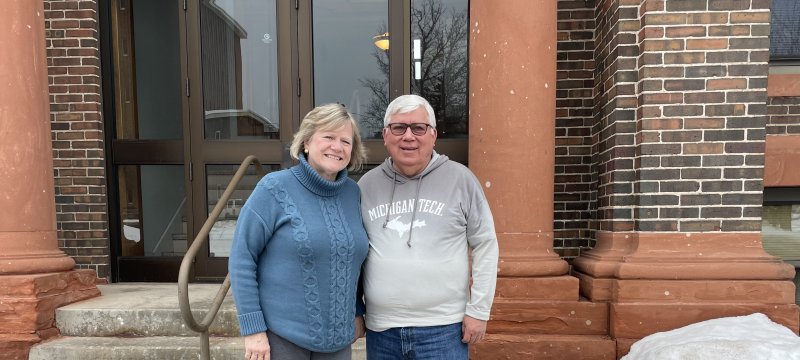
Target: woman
(299,245)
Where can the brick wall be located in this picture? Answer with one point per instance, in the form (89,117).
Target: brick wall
(73,59)
(702,115)
(783,115)
(574,193)
(614,115)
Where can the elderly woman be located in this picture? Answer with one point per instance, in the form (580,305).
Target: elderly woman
(299,245)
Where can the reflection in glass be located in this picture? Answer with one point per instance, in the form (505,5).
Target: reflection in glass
(439,61)
(240,69)
(150,107)
(348,67)
(785,30)
(780,230)
(217,179)
(780,233)
(152,210)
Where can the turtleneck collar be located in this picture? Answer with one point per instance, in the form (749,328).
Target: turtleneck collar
(314,182)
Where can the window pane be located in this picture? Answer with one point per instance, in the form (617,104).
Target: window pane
(781,231)
(348,66)
(157,83)
(785,30)
(439,64)
(152,210)
(217,179)
(240,69)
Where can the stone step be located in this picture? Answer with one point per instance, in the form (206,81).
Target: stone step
(513,316)
(156,347)
(544,347)
(132,310)
(143,321)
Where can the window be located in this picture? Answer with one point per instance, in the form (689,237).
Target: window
(780,228)
(440,61)
(785,30)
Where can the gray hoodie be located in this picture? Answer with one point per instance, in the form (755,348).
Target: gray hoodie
(420,232)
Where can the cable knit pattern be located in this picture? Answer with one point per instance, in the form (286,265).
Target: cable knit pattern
(296,258)
(341,255)
(310,287)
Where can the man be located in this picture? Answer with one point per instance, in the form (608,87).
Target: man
(423,214)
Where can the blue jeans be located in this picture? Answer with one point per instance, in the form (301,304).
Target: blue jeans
(425,342)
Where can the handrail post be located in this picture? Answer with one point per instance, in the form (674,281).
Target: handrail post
(191,253)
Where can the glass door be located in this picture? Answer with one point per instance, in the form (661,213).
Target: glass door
(240,96)
(201,84)
(148,142)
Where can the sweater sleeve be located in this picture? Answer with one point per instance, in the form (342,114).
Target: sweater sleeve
(249,240)
(482,241)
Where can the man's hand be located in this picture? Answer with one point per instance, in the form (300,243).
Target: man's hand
(473,329)
(361,328)
(256,347)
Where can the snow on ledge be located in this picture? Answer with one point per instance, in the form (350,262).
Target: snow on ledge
(748,337)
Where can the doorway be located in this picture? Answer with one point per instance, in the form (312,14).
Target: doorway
(198,85)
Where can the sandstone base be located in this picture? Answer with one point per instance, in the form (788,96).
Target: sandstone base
(556,347)
(28,304)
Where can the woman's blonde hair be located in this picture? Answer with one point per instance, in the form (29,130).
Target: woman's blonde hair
(324,118)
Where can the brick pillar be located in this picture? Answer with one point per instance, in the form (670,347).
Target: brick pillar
(35,276)
(512,143)
(73,61)
(693,251)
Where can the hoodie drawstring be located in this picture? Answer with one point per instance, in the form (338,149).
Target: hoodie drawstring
(414,213)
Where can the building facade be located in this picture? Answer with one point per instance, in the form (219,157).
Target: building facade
(639,156)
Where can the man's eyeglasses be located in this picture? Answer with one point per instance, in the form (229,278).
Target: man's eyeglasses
(399,129)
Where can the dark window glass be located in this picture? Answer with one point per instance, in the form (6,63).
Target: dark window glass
(152,204)
(439,63)
(785,30)
(349,66)
(240,69)
(218,177)
(780,227)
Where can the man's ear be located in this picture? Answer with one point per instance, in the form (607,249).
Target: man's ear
(383,134)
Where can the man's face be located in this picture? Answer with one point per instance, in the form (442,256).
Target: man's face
(410,153)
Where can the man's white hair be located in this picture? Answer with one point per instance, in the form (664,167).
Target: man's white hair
(407,103)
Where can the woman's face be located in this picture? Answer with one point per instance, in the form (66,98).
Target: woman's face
(329,151)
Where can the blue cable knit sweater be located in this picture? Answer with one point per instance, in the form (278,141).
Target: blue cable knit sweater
(296,258)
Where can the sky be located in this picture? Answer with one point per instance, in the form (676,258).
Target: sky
(751,337)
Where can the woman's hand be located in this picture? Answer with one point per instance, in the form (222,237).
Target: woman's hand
(256,347)
(361,328)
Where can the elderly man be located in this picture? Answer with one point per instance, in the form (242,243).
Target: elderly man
(423,214)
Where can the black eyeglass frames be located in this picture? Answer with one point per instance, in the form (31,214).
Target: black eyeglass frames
(399,129)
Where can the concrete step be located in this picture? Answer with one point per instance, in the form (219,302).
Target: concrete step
(143,321)
(154,347)
(144,310)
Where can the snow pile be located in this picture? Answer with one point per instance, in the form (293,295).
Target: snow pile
(748,337)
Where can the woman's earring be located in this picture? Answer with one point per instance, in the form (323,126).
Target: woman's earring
(305,151)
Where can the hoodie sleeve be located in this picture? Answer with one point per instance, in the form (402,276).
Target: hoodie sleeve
(249,240)
(482,241)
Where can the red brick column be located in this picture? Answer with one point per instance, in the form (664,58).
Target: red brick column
(512,142)
(35,276)
(73,60)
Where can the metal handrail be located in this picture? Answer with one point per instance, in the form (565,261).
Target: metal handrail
(188,260)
